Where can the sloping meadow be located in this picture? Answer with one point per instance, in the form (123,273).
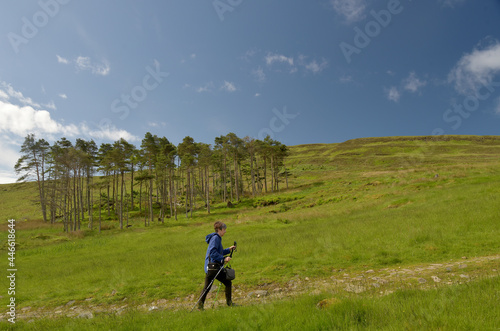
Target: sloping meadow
(364,204)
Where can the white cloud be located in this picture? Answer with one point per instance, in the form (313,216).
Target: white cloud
(393,94)
(476,69)
(9,154)
(63,96)
(193,56)
(206,88)
(157,124)
(4,95)
(257,95)
(412,83)
(20,120)
(84,63)
(7,92)
(228,86)
(346,79)
(351,10)
(23,120)
(272,58)
(259,75)
(109,132)
(316,67)
(7,177)
(50,105)
(62,60)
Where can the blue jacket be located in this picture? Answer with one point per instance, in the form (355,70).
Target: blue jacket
(215,251)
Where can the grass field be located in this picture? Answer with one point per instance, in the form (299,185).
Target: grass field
(373,204)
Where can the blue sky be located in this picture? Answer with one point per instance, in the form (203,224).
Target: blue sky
(315,71)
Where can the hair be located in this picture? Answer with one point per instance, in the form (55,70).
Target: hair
(219,226)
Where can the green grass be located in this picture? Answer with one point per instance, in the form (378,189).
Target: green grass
(364,204)
(471,307)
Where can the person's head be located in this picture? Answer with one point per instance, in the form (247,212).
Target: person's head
(220,228)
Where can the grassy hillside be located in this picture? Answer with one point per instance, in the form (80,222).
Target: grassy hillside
(374,204)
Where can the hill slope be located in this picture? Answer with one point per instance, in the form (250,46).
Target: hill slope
(376,204)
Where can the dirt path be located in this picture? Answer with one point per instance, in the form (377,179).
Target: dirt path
(368,282)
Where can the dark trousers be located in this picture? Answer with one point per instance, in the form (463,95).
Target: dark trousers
(222,278)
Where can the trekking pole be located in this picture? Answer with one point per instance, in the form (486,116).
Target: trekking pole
(208,287)
(231,255)
(216,294)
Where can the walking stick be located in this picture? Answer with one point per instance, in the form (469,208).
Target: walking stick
(209,286)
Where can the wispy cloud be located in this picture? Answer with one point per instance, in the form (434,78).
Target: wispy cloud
(476,69)
(110,133)
(259,75)
(63,96)
(272,58)
(346,79)
(85,63)
(412,83)
(62,60)
(351,10)
(228,86)
(208,87)
(316,67)
(7,92)
(393,94)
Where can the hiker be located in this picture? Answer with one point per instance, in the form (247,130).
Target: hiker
(214,260)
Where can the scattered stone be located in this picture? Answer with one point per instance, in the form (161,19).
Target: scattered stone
(462,266)
(422,281)
(369,271)
(86,314)
(355,288)
(153,308)
(258,293)
(70,303)
(464,257)
(307,278)
(464,276)
(436,279)
(449,269)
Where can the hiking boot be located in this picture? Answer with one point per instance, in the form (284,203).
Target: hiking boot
(232,304)
(200,307)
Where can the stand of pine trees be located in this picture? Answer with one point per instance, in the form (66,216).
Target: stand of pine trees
(78,180)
